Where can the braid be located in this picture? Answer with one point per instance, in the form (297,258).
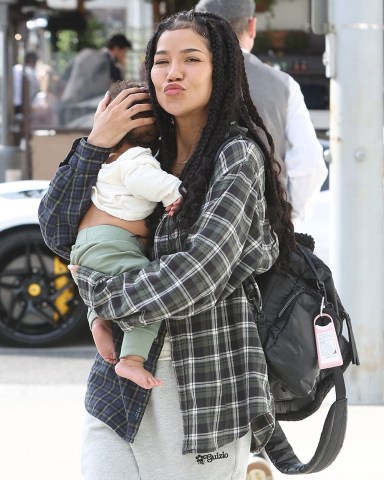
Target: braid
(230,101)
(279,210)
(198,170)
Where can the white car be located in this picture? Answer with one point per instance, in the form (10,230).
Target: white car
(39,303)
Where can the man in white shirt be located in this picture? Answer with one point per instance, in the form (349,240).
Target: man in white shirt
(281,105)
(29,70)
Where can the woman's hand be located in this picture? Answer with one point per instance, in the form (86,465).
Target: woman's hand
(113,119)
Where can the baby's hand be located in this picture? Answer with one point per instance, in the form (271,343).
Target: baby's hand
(171,209)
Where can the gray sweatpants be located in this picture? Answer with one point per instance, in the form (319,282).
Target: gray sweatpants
(156,452)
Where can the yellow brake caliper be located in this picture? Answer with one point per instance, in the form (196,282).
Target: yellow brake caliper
(61,303)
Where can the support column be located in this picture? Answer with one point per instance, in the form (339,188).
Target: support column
(355,53)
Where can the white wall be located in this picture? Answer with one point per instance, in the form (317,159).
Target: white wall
(64,4)
(139,29)
(286,15)
(72,4)
(105,4)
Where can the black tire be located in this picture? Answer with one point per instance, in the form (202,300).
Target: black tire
(39,302)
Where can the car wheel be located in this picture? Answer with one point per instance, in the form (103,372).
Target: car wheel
(39,302)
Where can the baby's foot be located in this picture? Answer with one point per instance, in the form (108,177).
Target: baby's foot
(102,336)
(134,370)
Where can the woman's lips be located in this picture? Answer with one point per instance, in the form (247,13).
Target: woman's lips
(173,89)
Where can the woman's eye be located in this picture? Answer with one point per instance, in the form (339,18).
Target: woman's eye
(193,59)
(160,62)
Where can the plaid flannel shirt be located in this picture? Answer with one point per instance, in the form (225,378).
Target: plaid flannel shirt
(194,286)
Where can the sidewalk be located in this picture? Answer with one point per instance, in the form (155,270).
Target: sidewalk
(41,428)
(360,457)
(41,436)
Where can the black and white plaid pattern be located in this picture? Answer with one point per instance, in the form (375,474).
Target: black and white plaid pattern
(193,285)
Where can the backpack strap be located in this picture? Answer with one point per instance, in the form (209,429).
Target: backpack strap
(320,283)
(331,440)
(332,436)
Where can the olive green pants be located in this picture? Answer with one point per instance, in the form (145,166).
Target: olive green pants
(113,250)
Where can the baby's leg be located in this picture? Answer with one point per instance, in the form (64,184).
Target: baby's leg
(132,368)
(102,336)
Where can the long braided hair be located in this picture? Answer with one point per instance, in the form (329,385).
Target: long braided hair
(230,102)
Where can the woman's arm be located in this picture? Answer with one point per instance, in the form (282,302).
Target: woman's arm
(68,196)
(230,240)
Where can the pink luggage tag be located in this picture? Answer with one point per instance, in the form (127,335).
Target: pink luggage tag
(327,345)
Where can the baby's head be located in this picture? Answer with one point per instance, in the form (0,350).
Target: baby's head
(144,136)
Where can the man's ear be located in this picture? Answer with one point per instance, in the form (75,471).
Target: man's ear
(252,27)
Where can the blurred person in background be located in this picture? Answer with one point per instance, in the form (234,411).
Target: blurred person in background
(25,75)
(44,105)
(116,50)
(91,74)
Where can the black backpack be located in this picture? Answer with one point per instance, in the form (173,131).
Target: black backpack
(287,299)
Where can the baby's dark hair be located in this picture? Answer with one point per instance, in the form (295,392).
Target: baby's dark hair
(145,135)
(230,102)
(121,85)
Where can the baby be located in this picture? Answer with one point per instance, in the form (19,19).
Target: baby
(112,234)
